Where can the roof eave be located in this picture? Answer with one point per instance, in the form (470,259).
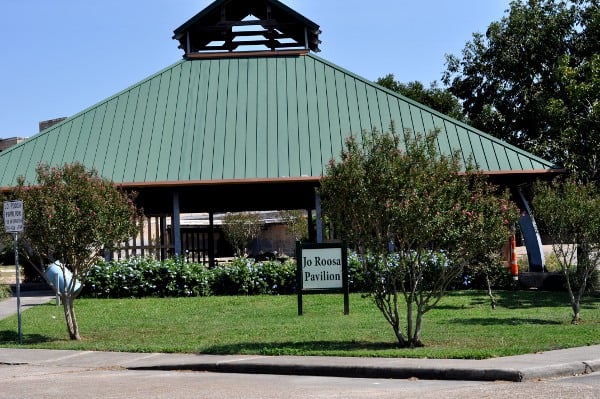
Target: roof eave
(190,183)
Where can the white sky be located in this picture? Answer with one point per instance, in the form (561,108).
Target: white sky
(59,57)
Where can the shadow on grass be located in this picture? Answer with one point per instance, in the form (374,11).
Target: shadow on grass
(519,299)
(12,337)
(491,321)
(538,299)
(290,348)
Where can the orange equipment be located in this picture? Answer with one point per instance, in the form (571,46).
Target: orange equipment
(514,266)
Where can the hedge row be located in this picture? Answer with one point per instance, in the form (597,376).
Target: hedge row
(146,277)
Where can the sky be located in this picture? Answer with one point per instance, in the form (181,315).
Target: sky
(59,57)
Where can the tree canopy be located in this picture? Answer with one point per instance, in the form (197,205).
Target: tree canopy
(240,228)
(533,79)
(72,215)
(434,97)
(416,217)
(569,213)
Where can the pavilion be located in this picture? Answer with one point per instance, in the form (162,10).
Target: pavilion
(234,128)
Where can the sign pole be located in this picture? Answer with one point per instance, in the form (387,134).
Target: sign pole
(13,223)
(18,278)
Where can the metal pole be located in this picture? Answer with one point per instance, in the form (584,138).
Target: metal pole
(18,277)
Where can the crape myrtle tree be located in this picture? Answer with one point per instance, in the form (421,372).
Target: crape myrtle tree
(296,223)
(72,215)
(416,218)
(569,212)
(240,228)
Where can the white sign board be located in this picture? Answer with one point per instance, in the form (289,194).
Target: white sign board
(13,216)
(322,268)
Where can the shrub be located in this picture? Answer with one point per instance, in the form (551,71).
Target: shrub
(146,277)
(357,277)
(5,291)
(143,277)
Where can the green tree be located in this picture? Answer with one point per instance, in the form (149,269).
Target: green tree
(240,228)
(569,213)
(533,81)
(434,97)
(296,223)
(416,217)
(72,215)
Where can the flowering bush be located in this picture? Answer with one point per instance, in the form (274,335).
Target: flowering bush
(435,213)
(243,276)
(72,214)
(143,277)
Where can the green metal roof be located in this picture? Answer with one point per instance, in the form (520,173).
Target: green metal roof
(248,117)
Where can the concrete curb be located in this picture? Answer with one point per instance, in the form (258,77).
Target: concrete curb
(552,364)
(385,368)
(467,374)
(556,370)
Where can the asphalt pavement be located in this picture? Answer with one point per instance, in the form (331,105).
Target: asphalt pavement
(558,363)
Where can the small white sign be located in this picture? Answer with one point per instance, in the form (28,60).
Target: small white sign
(322,268)
(13,216)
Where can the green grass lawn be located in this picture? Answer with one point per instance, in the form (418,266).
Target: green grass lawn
(463,326)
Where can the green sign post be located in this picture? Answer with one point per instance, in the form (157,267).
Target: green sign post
(322,268)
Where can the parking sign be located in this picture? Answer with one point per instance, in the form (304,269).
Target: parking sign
(13,216)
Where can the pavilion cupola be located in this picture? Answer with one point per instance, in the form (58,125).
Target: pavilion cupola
(247,25)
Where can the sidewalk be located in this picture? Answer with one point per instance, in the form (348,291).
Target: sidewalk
(8,306)
(550,364)
(558,363)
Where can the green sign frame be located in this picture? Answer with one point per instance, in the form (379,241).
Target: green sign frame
(322,268)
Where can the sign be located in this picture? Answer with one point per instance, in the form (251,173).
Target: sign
(321,268)
(13,216)
(13,223)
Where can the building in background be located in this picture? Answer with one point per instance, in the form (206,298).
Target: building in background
(6,143)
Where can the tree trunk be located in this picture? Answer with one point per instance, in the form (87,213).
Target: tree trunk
(575,306)
(72,327)
(396,320)
(409,322)
(493,302)
(583,263)
(416,338)
(399,335)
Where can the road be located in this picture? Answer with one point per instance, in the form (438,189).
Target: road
(40,382)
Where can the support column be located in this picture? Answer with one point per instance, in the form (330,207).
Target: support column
(176,225)
(531,236)
(319,217)
(163,237)
(211,240)
(311,225)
